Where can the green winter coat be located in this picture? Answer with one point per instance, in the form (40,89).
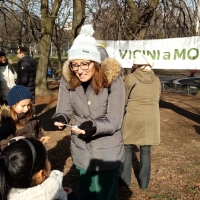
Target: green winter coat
(141,125)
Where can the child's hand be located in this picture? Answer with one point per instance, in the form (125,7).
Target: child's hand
(59,125)
(78,130)
(44,139)
(67,190)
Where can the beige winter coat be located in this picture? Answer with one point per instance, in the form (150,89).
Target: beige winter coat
(141,125)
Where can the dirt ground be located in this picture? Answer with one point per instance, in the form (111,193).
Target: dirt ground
(175,165)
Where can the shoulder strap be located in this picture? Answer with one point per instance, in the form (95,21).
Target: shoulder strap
(11,68)
(130,92)
(109,90)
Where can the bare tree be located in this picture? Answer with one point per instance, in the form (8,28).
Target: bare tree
(122,19)
(33,21)
(61,35)
(142,16)
(78,17)
(48,16)
(177,18)
(149,19)
(30,28)
(19,24)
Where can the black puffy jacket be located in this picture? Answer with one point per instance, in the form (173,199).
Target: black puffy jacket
(27,73)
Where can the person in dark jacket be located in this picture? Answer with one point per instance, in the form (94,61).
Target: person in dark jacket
(26,70)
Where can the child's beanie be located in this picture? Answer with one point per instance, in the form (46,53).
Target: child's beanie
(18,93)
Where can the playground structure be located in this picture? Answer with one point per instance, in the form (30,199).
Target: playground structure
(189,85)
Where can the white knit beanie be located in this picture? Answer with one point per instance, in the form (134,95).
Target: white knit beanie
(84,46)
(142,59)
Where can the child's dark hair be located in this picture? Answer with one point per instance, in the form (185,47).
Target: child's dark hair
(19,162)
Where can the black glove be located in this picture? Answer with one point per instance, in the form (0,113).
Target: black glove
(60,119)
(7,129)
(89,130)
(73,196)
(49,126)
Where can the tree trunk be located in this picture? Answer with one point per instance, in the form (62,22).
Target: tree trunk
(78,17)
(141,21)
(45,46)
(47,22)
(59,60)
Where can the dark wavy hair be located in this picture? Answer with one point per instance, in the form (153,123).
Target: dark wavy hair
(15,170)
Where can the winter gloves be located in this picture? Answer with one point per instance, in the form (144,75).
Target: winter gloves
(89,130)
(87,126)
(49,125)
(60,119)
(7,129)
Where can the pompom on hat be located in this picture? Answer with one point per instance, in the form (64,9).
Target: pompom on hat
(142,59)
(85,46)
(18,93)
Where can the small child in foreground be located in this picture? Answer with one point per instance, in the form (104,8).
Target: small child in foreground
(25,173)
(19,118)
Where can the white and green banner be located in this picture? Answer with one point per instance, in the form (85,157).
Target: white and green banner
(174,53)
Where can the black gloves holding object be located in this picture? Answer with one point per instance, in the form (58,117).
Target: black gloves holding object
(89,130)
(7,129)
(49,125)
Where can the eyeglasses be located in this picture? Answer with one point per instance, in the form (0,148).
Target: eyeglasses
(84,66)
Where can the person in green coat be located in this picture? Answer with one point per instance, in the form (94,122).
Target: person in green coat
(141,124)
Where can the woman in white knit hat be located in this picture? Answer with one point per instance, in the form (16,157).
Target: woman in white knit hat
(141,125)
(94,93)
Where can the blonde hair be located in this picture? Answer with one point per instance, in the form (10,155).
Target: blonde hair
(14,116)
